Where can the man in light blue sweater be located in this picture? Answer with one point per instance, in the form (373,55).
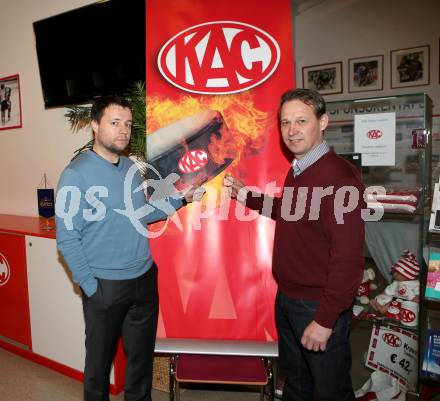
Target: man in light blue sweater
(102,217)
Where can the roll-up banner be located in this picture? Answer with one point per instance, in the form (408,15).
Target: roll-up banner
(215,73)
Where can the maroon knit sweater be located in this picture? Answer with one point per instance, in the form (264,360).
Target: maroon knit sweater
(320,255)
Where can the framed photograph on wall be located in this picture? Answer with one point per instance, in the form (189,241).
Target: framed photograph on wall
(410,67)
(10,102)
(325,78)
(365,74)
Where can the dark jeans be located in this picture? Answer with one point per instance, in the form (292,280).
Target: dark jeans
(326,374)
(128,308)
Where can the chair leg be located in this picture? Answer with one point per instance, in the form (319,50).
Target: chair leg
(171,389)
(270,380)
(177,391)
(172,376)
(174,384)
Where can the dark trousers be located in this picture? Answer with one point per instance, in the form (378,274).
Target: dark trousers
(128,308)
(326,374)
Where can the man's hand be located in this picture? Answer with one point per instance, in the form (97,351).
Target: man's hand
(194,194)
(237,188)
(315,337)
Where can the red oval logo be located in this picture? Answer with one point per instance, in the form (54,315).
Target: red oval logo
(374,134)
(219,57)
(5,271)
(193,161)
(392,339)
(363,289)
(407,315)
(402,291)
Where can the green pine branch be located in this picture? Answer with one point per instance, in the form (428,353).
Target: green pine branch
(78,116)
(138,141)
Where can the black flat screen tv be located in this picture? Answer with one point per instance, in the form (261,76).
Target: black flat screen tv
(91,51)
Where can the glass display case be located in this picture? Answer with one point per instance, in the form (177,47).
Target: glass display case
(413,119)
(389,139)
(401,164)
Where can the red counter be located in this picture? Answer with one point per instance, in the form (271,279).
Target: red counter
(41,308)
(14,304)
(14,301)
(25,225)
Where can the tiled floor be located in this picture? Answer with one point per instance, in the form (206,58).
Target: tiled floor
(22,380)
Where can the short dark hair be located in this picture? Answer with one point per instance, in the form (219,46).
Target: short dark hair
(102,103)
(308,96)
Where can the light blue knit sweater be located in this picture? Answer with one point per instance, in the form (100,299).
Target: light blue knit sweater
(99,232)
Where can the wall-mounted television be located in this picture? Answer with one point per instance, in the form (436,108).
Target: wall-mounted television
(91,51)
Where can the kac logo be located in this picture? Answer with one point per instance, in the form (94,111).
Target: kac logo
(392,340)
(407,315)
(402,291)
(363,289)
(5,271)
(374,134)
(219,57)
(193,161)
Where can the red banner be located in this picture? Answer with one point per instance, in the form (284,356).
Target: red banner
(215,73)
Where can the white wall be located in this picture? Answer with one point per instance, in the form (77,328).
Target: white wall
(336,30)
(45,144)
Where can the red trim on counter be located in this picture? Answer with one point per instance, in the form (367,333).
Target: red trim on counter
(26,225)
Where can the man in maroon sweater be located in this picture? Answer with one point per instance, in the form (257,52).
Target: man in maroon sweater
(318,253)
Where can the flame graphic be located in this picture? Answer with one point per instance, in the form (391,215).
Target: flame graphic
(247,125)
(246,135)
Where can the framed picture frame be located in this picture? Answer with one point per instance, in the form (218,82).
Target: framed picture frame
(325,78)
(410,67)
(10,102)
(365,74)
